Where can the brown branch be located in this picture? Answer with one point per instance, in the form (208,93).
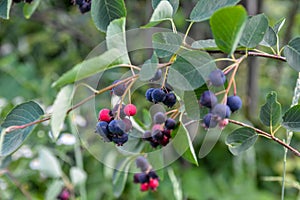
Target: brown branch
(267,135)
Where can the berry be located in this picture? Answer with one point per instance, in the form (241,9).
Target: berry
(130,110)
(157,75)
(143,178)
(154,144)
(156,127)
(208,99)
(164,141)
(158,95)
(85,7)
(170,100)
(170,123)
(167,133)
(147,136)
(64,194)
(223,123)
(128,124)
(136,177)
(104,115)
(221,110)
(157,135)
(119,89)
(149,94)
(209,121)
(234,103)
(115,111)
(153,184)
(159,118)
(117,127)
(142,163)
(144,187)
(152,174)
(217,77)
(120,140)
(102,130)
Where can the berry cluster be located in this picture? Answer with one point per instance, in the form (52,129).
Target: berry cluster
(157,95)
(161,130)
(114,125)
(83,5)
(147,178)
(219,112)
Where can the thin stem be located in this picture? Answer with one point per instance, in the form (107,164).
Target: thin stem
(224,59)
(267,135)
(130,66)
(187,32)
(173,26)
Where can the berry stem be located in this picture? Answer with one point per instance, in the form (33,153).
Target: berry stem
(187,32)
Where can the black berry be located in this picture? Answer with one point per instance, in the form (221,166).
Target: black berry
(170,123)
(102,130)
(120,140)
(170,100)
(117,127)
(149,94)
(158,95)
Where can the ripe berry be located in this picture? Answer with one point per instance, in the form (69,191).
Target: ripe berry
(142,163)
(104,115)
(170,100)
(120,140)
(159,118)
(221,110)
(158,95)
(209,121)
(119,89)
(217,77)
(130,110)
(170,123)
(152,174)
(167,133)
(143,178)
(149,94)
(157,75)
(102,130)
(154,144)
(136,177)
(208,99)
(147,136)
(117,127)
(153,184)
(234,103)
(85,7)
(128,124)
(144,187)
(157,135)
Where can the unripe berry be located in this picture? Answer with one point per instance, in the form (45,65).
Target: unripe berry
(170,100)
(153,184)
(217,77)
(208,99)
(234,103)
(144,187)
(158,95)
(130,110)
(104,115)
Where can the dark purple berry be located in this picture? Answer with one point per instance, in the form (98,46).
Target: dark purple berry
(115,111)
(221,110)
(128,124)
(209,121)
(117,127)
(157,75)
(154,144)
(147,136)
(152,174)
(143,178)
(157,135)
(217,77)
(159,118)
(142,163)
(158,95)
(120,140)
(149,94)
(85,7)
(119,89)
(208,99)
(102,130)
(170,100)
(170,123)
(234,103)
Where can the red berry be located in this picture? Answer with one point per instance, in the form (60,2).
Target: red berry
(153,183)
(130,110)
(104,115)
(165,141)
(144,187)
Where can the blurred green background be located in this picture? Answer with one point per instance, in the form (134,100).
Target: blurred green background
(35,52)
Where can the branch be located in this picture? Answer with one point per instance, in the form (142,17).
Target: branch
(267,135)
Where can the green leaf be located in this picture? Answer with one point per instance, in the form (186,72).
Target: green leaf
(204,9)
(162,12)
(182,143)
(49,164)
(22,114)
(149,68)
(174,3)
(5,6)
(205,44)
(116,38)
(270,38)
(227,25)
(191,105)
(166,43)
(291,119)
(254,31)
(29,9)
(54,189)
(60,107)
(189,70)
(78,176)
(240,140)
(90,67)
(120,176)
(279,24)
(103,12)
(270,112)
(292,53)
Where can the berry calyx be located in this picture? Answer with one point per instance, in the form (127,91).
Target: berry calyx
(234,103)
(217,77)
(104,115)
(130,110)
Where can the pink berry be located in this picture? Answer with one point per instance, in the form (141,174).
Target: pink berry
(157,127)
(144,187)
(153,183)
(130,110)
(223,123)
(104,115)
